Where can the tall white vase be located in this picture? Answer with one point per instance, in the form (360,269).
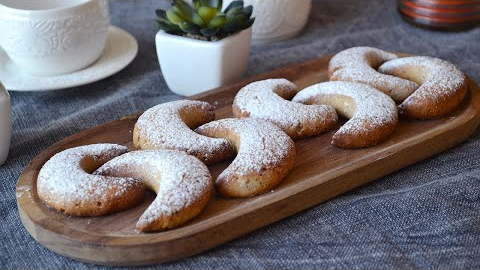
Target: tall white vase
(277,19)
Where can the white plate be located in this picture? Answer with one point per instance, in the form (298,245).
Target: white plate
(120,50)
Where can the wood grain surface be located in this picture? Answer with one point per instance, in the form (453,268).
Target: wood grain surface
(321,173)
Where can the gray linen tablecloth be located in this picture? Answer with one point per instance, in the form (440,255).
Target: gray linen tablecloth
(424,216)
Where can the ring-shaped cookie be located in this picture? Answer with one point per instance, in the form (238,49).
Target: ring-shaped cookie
(442,85)
(169,126)
(373,115)
(182,182)
(67,184)
(359,64)
(265,155)
(270,100)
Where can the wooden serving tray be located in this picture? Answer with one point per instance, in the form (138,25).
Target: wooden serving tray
(321,173)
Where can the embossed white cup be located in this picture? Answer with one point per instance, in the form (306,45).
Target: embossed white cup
(53,37)
(5,124)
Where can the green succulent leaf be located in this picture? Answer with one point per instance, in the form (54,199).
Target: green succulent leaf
(208,32)
(207,13)
(180,13)
(161,13)
(218,21)
(197,19)
(187,13)
(205,18)
(248,10)
(218,4)
(248,23)
(234,4)
(167,27)
(165,20)
(197,4)
(232,13)
(174,17)
(231,25)
(184,10)
(189,28)
(234,10)
(238,17)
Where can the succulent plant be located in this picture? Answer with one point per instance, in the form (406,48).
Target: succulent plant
(205,19)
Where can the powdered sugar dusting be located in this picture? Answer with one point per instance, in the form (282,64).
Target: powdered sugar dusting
(369,105)
(261,145)
(162,127)
(178,179)
(359,64)
(439,79)
(62,179)
(270,100)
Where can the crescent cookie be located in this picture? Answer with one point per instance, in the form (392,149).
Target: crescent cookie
(265,155)
(182,182)
(442,85)
(270,100)
(359,64)
(169,126)
(65,182)
(373,114)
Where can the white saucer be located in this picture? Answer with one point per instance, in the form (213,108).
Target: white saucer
(120,50)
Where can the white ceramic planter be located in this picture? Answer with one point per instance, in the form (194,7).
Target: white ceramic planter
(277,19)
(5,124)
(192,66)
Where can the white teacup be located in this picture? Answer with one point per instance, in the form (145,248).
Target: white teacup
(5,124)
(52,37)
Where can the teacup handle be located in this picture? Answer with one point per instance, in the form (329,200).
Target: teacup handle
(3,55)
(5,124)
